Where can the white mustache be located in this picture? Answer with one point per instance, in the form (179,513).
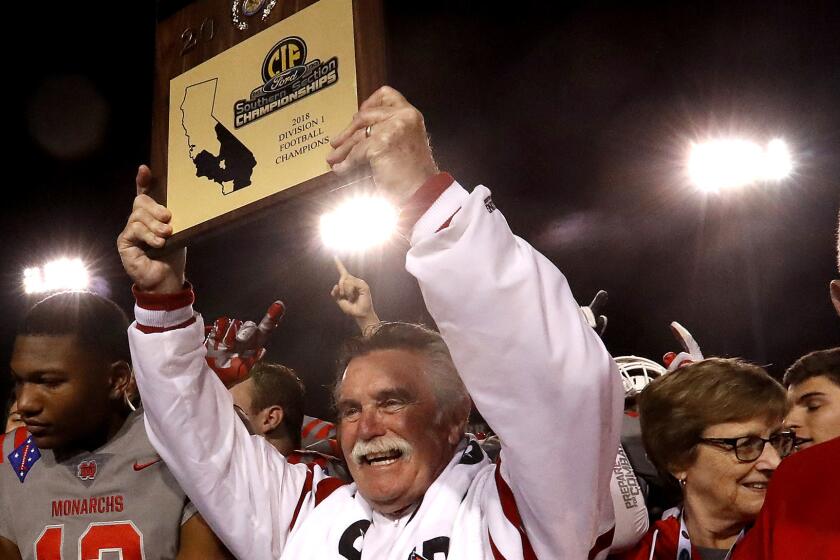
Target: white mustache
(381,444)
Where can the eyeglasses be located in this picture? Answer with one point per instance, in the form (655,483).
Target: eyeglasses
(750,448)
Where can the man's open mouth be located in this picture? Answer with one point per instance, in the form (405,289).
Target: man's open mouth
(382,458)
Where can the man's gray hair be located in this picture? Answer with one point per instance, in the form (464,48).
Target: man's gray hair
(452,398)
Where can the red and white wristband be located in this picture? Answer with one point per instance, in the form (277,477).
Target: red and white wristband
(155,313)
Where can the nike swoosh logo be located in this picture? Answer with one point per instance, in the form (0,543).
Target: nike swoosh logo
(140,467)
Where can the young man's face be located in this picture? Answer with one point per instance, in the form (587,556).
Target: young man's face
(815,410)
(62,391)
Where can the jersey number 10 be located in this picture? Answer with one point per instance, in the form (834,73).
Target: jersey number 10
(114,536)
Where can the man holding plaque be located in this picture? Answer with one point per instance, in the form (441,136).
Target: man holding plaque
(422,489)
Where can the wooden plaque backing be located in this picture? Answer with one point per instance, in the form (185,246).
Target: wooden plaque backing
(207,27)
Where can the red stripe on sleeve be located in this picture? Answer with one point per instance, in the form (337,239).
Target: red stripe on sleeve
(327,487)
(309,427)
(323,432)
(496,554)
(512,513)
(307,487)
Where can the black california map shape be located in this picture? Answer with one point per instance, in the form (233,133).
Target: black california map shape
(234,163)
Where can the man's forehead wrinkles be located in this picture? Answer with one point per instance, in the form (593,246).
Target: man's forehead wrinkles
(374,393)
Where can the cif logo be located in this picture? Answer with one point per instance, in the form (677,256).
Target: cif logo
(87,470)
(286,54)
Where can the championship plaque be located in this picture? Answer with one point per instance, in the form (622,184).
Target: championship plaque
(248,94)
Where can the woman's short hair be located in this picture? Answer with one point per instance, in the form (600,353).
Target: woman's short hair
(677,408)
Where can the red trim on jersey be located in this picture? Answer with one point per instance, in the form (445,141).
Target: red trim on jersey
(512,513)
(327,487)
(20,436)
(2,455)
(422,199)
(164,302)
(149,330)
(307,487)
(602,543)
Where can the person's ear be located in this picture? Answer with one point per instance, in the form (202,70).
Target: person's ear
(121,380)
(269,419)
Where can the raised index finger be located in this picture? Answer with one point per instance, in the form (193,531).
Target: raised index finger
(342,270)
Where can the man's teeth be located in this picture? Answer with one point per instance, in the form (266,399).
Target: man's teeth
(384,458)
(756,485)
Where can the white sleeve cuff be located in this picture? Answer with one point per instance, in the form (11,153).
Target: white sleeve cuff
(162,319)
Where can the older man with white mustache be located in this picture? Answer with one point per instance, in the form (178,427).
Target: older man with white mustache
(422,490)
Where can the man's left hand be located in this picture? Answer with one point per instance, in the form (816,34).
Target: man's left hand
(389,134)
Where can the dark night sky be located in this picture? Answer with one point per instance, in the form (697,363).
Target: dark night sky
(578,120)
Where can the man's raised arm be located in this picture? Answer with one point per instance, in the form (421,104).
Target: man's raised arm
(242,486)
(530,362)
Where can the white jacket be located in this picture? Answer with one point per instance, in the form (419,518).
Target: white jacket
(524,353)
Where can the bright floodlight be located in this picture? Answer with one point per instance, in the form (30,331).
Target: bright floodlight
(359,224)
(729,163)
(58,275)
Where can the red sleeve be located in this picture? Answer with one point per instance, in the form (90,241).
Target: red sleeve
(423,199)
(799,517)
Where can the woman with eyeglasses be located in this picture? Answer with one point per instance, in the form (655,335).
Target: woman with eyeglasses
(706,427)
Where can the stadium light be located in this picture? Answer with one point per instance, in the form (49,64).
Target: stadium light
(359,224)
(727,163)
(58,275)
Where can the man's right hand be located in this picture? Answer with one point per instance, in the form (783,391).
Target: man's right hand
(148,227)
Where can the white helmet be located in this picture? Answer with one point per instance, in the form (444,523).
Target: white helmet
(637,373)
